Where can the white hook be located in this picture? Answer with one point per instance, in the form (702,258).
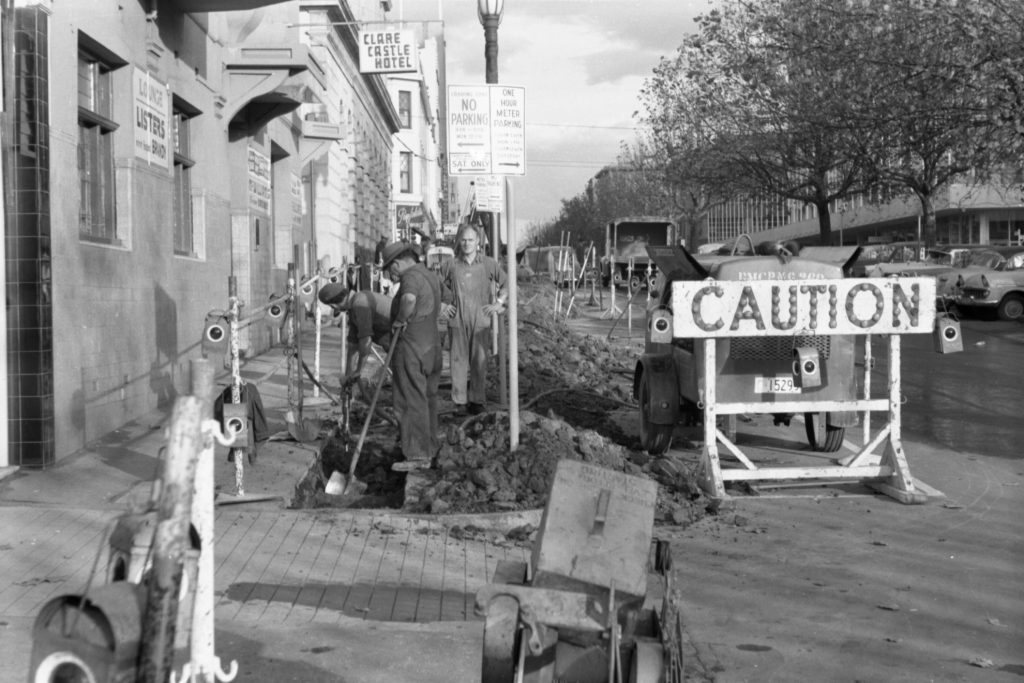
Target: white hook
(212,427)
(187,674)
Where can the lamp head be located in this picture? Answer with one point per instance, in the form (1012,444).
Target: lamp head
(489,8)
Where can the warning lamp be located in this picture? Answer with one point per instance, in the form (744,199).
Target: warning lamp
(806,367)
(659,326)
(215,334)
(307,293)
(236,422)
(947,335)
(276,313)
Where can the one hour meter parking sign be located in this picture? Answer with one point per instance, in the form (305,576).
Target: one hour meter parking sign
(486,130)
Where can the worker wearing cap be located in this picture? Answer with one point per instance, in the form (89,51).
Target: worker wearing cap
(416,363)
(471,277)
(369,322)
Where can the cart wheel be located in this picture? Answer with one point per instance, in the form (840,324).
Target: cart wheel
(499,660)
(648,663)
(822,437)
(654,438)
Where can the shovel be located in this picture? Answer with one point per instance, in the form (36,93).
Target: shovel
(351,484)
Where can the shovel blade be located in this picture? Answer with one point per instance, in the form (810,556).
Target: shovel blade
(336,484)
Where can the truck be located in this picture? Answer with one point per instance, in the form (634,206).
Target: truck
(626,242)
(667,381)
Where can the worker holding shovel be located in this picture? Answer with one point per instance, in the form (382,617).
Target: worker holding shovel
(416,361)
(369,318)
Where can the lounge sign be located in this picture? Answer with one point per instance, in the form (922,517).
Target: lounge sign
(387,51)
(774,308)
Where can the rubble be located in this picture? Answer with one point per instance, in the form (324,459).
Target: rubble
(572,389)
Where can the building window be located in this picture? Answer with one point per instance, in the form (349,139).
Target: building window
(405,108)
(184,231)
(405,171)
(96,221)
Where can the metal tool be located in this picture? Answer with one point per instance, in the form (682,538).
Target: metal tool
(353,485)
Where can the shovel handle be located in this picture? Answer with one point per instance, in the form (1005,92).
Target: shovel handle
(373,404)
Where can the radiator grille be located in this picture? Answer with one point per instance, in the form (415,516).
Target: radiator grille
(777,348)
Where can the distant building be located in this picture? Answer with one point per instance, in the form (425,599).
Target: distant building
(417,160)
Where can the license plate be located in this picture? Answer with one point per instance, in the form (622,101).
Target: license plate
(775,385)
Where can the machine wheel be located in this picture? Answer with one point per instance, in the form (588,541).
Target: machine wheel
(648,664)
(500,626)
(1011,307)
(823,437)
(654,438)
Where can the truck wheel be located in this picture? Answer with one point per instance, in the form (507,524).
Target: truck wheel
(654,438)
(821,436)
(648,665)
(1011,307)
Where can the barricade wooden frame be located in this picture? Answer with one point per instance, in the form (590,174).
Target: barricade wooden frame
(888,473)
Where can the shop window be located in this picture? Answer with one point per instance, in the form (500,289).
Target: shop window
(185,242)
(97,220)
(405,108)
(405,171)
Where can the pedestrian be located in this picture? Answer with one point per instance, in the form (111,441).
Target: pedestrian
(416,363)
(477,288)
(369,323)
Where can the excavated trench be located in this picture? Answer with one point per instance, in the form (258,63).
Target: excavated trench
(576,403)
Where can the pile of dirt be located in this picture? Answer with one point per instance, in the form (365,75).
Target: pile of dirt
(575,393)
(477,472)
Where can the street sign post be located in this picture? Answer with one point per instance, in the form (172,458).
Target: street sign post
(490,193)
(486,130)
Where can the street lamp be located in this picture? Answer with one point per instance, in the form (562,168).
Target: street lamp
(489,13)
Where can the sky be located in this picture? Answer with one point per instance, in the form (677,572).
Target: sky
(582,64)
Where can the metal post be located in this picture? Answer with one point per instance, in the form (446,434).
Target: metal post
(237,454)
(513,323)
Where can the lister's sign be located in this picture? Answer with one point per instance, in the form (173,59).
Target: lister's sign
(152,119)
(387,51)
(713,308)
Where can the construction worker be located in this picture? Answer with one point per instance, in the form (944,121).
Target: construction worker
(416,363)
(369,323)
(477,287)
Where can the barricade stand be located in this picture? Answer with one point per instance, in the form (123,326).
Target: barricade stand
(629,302)
(888,473)
(204,665)
(237,454)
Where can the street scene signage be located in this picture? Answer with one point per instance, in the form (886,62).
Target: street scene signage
(490,193)
(388,51)
(486,130)
(259,180)
(152,124)
(766,308)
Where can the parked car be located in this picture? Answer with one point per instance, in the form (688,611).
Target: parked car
(438,254)
(985,258)
(1001,288)
(937,260)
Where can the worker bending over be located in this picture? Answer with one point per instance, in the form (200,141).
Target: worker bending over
(369,323)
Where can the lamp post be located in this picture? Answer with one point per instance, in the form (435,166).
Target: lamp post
(489,12)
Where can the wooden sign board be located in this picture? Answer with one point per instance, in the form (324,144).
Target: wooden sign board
(765,308)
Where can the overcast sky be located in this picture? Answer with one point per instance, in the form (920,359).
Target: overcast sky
(582,63)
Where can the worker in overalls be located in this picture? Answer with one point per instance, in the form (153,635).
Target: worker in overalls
(416,363)
(477,287)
